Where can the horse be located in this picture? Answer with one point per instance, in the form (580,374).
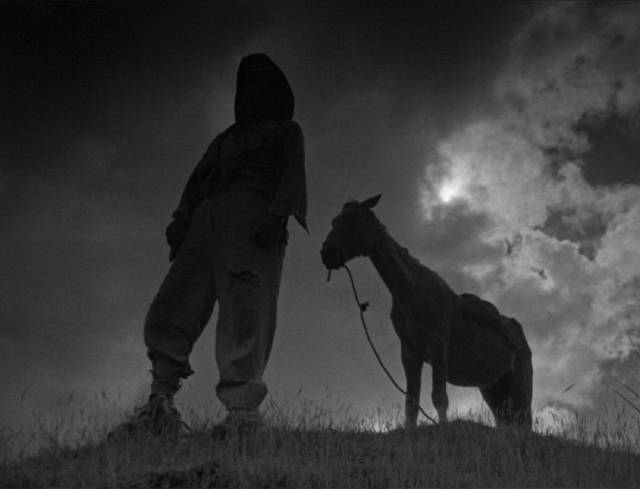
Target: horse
(464,338)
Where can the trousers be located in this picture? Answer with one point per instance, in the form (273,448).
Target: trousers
(219,263)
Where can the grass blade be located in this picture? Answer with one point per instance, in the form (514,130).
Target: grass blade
(627,401)
(626,387)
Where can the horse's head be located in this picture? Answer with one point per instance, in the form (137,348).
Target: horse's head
(352,233)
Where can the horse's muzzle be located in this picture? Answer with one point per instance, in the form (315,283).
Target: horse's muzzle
(331,257)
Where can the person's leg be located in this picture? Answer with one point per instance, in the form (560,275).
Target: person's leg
(182,307)
(177,316)
(248,281)
(244,335)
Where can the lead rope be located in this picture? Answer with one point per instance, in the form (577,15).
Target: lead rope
(362,307)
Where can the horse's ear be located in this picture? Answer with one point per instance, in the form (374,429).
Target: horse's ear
(371,202)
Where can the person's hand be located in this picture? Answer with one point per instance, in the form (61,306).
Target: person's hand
(176,233)
(269,231)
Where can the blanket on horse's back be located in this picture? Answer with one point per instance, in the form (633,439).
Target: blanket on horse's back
(487,315)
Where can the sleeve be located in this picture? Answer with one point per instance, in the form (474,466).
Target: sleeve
(199,182)
(291,193)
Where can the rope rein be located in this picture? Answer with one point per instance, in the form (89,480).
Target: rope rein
(362,307)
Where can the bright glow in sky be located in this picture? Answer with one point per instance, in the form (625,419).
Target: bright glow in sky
(454,184)
(450,189)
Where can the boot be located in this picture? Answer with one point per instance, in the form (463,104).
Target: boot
(158,417)
(238,422)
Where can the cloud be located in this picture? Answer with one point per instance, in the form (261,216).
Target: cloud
(554,249)
(572,60)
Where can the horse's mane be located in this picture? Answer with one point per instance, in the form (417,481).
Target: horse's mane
(403,252)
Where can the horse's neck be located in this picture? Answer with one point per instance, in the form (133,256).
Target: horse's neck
(394,264)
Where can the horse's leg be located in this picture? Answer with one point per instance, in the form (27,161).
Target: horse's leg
(413,372)
(497,398)
(439,379)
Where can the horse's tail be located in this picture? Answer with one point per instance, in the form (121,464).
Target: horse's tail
(518,337)
(521,389)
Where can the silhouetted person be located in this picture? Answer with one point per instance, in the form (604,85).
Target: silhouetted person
(228,238)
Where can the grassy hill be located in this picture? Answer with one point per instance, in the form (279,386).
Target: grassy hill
(459,454)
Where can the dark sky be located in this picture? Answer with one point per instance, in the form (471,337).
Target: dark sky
(482,123)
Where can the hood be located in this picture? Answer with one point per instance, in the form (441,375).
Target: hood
(262,91)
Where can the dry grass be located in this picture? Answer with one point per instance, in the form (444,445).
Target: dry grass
(308,451)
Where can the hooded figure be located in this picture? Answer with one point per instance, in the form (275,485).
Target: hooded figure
(263,95)
(262,91)
(228,238)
